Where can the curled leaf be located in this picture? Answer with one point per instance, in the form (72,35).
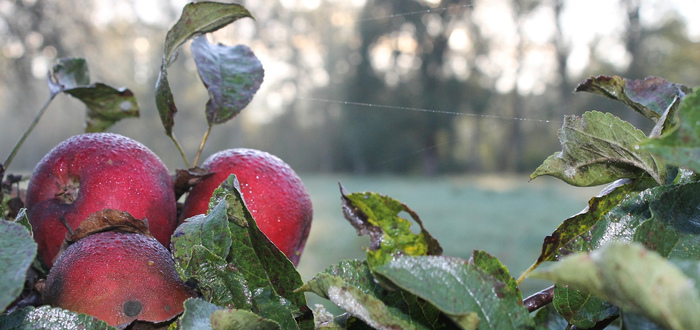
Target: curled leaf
(599,148)
(681,145)
(635,279)
(102,221)
(650,97)
(378,216)
(105,105)
(232,75)
(186,179)
(196,19)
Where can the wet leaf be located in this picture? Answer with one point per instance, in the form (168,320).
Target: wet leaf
(23,220)
(231,259)
(274,308)
(218,281)
(186,179)
(549,318)
(633,278)
(350,284)
(105,105)
(581,308)
(240,319)
(650,97)
(581,223)
(681,145)
(622,222)
(108,220)
(47,317)
(673,230)
(17,252)
(232,75)
(68,73)
(458,288)
(196,19)
(492,266)
(378,216)
(197,314)
(599,148)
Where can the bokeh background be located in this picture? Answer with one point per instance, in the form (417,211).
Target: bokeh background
(446,105)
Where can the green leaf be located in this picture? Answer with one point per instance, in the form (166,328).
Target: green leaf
(673,231)
(680,145)
(580,308)
(650,97)
(366,305)
(275,308)
(232,75)
(219,282)
(599,148)
(17,252)
(458,288)
(105,105)
(378,216)
(68,73)
(492,266)
(580,224)
(240,319)
(235,264)
(197,314)
(392,306)
(549,318)
(47,317)
(623,221)
(635,279)
(196,19)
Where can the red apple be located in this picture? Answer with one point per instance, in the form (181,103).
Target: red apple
(117,277)
(96,171)
(272,191)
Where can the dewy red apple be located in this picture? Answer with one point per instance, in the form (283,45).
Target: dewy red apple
(272,191)
(118,278)
(95,171)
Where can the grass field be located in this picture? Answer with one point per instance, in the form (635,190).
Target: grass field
(506,216)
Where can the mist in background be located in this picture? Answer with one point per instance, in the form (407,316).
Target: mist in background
(419,87)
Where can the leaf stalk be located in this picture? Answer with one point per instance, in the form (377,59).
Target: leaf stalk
(12,155)
(201,144)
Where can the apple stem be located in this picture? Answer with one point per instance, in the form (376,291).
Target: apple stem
(179,148)
(9,159)
(65,223)
(201,145)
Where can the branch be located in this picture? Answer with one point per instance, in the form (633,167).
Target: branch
(539,299)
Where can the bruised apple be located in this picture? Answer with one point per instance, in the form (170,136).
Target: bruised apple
(272,191)
(95,171)
(117,277)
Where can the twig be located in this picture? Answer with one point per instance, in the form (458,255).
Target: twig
(539,299)
(179,148)
(201,145)
(9,159)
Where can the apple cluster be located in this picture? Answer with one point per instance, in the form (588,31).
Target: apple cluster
(132,274)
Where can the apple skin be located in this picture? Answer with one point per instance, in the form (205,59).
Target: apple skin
(118,278)
(273,192)
(95,171)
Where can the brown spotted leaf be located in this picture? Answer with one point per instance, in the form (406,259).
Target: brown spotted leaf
(186,179)
(651,96)
(106,220)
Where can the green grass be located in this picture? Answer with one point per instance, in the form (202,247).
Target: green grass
(507,217)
